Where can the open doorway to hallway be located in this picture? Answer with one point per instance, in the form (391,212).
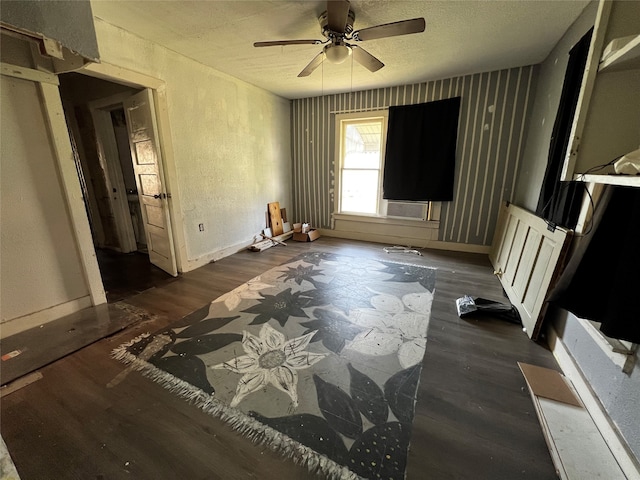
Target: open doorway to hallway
(97,123)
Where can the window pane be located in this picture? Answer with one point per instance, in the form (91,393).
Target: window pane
(359,191)
(362,145)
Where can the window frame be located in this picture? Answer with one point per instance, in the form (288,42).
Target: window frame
(341,120)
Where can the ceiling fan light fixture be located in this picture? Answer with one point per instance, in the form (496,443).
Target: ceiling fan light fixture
(337,53)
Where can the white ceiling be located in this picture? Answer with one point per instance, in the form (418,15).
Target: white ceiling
(461,37)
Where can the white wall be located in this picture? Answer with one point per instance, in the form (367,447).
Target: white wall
(231,148)
(231,145)
(547,98)
(40,264)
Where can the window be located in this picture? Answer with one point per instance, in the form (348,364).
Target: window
(360,149)
(361,152)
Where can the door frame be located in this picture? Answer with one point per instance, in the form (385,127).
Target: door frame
(55,115)
(113,73)
(130,78)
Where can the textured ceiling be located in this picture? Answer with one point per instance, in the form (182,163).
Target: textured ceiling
(461,37)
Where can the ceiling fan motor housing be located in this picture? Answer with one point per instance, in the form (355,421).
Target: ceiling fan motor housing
(328,33)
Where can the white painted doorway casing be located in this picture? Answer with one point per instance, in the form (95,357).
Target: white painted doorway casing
(147,165)
(137,80)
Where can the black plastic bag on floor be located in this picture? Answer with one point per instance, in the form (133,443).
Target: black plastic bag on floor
(468,306)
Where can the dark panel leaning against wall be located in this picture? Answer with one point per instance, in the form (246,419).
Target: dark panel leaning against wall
(492,129)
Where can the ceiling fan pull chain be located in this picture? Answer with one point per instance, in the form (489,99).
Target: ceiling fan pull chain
(351,74)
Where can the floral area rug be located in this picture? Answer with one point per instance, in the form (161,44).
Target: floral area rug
(318,358)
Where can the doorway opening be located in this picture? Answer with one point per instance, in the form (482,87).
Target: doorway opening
(108,163)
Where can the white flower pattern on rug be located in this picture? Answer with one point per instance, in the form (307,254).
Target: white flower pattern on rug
(249,290)
(271,359)
(392,329)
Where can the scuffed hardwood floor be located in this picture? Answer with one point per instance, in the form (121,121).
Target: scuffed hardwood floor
(474,418)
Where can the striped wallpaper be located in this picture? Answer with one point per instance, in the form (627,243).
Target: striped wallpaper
(491,134)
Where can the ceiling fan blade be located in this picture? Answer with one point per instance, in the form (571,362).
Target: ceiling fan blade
(337,13)
(404,27)
(315,63)
(364,58)
(275,43)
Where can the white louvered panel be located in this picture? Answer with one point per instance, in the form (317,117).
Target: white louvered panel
(417,211)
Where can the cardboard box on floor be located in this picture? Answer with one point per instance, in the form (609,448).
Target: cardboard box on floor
(310,236)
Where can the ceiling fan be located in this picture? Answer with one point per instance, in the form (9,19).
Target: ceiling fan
(337,27)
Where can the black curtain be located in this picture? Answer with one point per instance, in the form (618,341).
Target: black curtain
(602,279)
(421,151)
(560,202)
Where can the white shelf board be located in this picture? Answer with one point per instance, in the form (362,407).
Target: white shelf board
(623,180)
(626,58)
(575,443)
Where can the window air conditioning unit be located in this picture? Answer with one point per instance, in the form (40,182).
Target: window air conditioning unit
(412,210)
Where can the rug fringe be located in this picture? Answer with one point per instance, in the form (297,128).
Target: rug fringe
(249,427)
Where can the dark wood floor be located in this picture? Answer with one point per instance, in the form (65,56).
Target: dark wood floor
(86,419)
(127,274)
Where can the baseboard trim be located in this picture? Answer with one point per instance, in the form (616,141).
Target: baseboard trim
(393,240)
(20,324)
(618,448)
(192,264)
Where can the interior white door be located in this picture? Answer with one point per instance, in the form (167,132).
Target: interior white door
(527,258)
(147,165)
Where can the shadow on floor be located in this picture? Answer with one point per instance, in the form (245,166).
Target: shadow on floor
(127,274)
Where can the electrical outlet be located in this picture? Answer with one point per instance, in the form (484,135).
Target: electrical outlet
(201,227)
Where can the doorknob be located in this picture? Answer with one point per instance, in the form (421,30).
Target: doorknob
(498,273)
(157,196)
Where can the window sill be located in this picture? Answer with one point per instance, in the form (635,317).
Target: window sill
(414,222)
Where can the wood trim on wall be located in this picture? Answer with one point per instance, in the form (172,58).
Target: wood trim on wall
(192,264)
(63,153)
(28,74)
(170,177)
(124,76)
(586,89)
(396,240)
